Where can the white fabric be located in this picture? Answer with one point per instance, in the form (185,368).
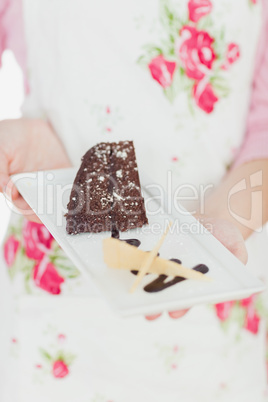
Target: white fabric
(94,47)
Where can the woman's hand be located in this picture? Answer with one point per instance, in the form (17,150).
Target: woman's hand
(230,236)
(27,145)
(224,207)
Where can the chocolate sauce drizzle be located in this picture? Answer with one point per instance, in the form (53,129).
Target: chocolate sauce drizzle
(115,232)
(133,242)
(159,283)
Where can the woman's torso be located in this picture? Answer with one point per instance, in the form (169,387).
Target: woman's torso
(174,76)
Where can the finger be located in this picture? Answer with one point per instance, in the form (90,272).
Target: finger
(229,236)
(3,182)
(152,317)
(178,313)
(240,251)
(11,190)
(24,208)
(3,171)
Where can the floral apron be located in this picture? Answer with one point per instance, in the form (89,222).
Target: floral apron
(175,77)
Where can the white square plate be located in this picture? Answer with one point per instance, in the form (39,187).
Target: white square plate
(48,193)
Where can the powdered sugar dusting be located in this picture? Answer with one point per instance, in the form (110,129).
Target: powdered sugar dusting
(119,173)
(121,154)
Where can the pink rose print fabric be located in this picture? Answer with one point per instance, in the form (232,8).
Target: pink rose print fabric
(55,361)
(247,312)
(30,250)
(196,56)
(252,319)
(10,250)
(198,9)
(223,310)
(162,70)
(204,96)
(46,277)
(232,54)
(60,369)
(194,49)
(37,240)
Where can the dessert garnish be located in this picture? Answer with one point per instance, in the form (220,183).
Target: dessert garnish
(119,254)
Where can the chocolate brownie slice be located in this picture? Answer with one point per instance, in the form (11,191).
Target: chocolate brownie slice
(106,194)
(89,208)
(128,209)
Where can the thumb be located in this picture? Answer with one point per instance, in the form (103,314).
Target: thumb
(6,185)
(4,178)
(240,251)
(11,190)
(229,235)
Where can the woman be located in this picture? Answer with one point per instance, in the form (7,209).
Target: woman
(175,76)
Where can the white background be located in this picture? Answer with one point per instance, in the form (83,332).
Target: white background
(11,98)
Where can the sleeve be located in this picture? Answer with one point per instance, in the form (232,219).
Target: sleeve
(255,145)
(12,32)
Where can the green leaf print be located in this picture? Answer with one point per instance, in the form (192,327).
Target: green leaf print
(62,263)
(69,358)
(46,355)
(206,23)
(220,85)
(170,20)
(261,307)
